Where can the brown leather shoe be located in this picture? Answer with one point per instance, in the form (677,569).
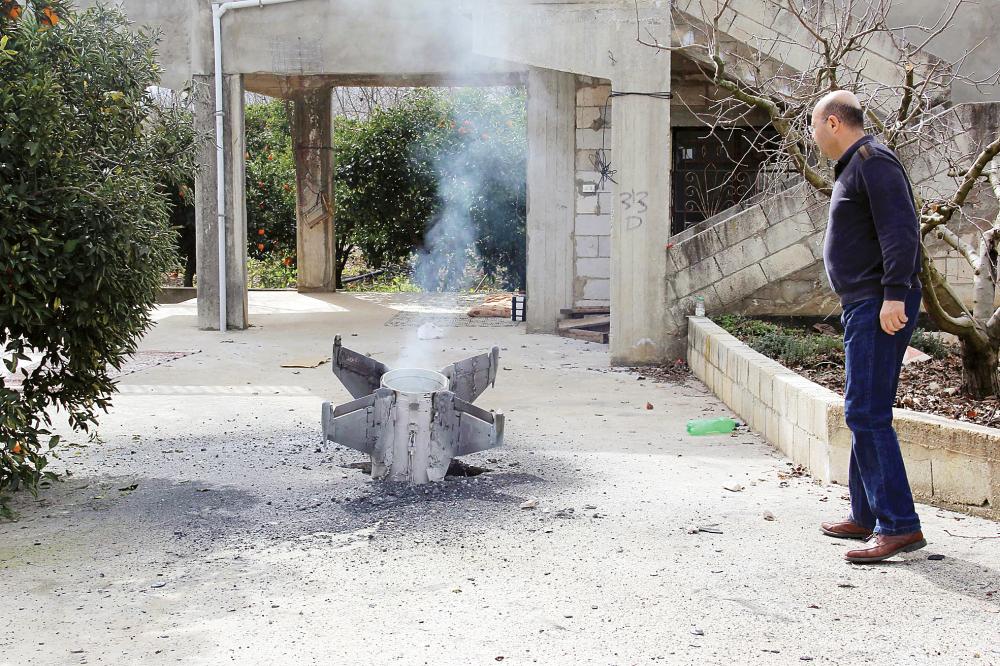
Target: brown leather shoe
(845,529)
(882,547)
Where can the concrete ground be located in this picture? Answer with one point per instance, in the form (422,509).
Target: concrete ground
(209,525)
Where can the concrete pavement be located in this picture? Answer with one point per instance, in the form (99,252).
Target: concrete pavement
(247,541)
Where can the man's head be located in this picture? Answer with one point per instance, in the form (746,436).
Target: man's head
(837,122)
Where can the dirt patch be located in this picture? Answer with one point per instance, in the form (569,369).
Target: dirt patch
(675,372)
(932,387)
(816,352)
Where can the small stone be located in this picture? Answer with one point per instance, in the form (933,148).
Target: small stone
(937,557)
(698,632)
(768,515)
(733,488)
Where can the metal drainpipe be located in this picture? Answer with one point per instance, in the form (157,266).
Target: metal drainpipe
(218,11)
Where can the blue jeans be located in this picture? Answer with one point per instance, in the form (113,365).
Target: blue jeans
(880,492)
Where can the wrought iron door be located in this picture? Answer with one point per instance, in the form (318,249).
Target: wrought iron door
(712,172)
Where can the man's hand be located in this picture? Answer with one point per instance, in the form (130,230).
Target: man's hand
(893,316)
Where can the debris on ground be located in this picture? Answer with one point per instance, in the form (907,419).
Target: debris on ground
(495,305)
(530,504)
(429,331)
(307,362)
(915,356)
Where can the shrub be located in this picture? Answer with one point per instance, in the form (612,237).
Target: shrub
(270,273)
(789,346)
(930,344)
(84,228)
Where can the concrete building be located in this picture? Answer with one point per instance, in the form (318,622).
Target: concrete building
(592,240)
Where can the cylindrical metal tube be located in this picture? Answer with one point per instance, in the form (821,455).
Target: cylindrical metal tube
(410,455)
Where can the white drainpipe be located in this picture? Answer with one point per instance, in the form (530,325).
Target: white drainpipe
(218,10)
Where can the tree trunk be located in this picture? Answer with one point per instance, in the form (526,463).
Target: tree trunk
(189,269)
(979,370)
(984,289)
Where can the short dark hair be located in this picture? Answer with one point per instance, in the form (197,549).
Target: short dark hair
(850,115)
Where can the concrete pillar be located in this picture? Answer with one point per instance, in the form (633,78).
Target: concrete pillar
(641,219)
(312,138)
(551,196)
(206,211)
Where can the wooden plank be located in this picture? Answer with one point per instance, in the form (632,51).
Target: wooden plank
(586,310)
(585,322)
(589,336)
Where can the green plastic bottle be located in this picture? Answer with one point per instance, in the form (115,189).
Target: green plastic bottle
(718,426)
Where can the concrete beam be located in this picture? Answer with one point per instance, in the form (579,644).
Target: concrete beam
(206,211)
(287,87)
(551,196)
(312,138)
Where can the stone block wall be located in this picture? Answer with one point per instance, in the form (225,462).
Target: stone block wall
(736,258)
(949,463)
(592,276)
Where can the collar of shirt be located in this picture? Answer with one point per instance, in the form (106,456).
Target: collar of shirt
(849,153)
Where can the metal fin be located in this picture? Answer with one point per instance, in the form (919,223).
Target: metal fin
(360,374)
(477,430)
(351,424)
(469,378)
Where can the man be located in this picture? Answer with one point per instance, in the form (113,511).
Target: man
(872,256)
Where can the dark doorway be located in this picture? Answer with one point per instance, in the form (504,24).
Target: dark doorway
(713,171)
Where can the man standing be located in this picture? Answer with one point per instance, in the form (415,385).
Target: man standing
(872,257)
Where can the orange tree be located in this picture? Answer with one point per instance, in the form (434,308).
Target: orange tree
(84,221)
(270,182)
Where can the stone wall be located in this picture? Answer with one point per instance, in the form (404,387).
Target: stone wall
(592,276)
(949,463)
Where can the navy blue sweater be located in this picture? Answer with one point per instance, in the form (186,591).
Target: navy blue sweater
(872,246)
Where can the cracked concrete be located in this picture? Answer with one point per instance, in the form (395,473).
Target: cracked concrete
(246,541)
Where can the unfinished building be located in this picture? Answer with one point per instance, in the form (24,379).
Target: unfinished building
(618,162)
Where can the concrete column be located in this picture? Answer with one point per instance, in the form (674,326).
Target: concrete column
(206,211)
(641,221)
(312,138)
(551,196)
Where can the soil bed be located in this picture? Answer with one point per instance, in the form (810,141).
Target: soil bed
(932,387)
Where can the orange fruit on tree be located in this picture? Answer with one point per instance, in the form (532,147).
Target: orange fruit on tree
(48,18)
(260,232)
(11,9)
(17,449)
(260,246)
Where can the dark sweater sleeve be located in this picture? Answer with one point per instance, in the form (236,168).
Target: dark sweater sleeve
(895,223)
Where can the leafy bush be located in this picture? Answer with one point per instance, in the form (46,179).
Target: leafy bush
(930,344)
(84,227)
(788,346)
(270,273)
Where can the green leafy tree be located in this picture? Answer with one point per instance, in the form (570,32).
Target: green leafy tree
(84,223)
(386,179)
(400,171)
(270,182)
